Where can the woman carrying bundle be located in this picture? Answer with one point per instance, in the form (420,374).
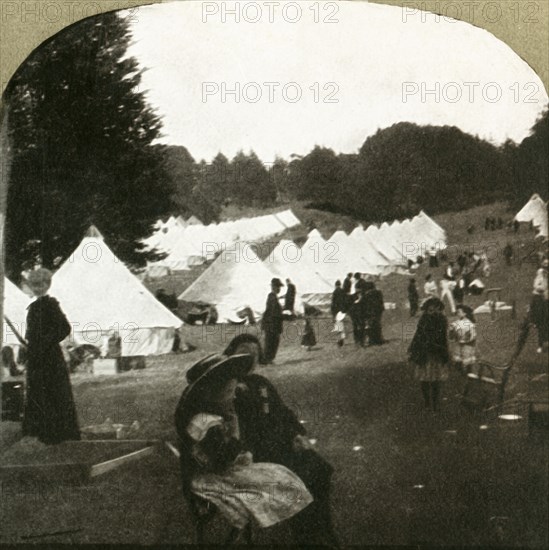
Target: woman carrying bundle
(215,465)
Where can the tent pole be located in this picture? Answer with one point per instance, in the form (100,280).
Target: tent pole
(5,165)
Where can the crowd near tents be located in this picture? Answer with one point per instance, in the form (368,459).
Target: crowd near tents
(102,298)
(233,283)
(238,279)
(535,212)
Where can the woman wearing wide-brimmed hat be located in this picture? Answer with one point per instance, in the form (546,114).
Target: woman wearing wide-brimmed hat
(429,351)
(214,463)
(50,413)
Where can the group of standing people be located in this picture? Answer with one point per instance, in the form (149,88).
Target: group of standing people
(364,303)
(458,279)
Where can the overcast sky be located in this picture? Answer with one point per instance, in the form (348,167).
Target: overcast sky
(375,63)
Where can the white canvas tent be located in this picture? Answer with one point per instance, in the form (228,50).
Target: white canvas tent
(286,261)
(15,309)
(233,282)
(99,296)
(387,242)
(193,220)
(535,211)
(288,218)
(314,234)
(350,256)
(370,251)
(424,227)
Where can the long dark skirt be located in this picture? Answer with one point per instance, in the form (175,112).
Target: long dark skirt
(50,413)
(272,339)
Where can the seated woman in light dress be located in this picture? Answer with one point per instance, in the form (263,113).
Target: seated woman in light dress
(214,464)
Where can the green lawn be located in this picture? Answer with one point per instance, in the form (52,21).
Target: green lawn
(414,478)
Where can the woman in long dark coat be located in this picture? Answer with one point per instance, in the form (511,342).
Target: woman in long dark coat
(429,351)
(50,414)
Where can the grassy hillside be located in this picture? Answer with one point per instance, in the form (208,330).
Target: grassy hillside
(403,475)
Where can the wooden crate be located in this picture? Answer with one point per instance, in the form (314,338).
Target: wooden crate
(105,366)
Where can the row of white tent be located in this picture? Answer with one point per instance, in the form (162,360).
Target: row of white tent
(100,297)
(535,212)
(188,243)
(236,280)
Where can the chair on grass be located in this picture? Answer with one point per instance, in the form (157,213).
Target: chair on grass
(485,385)
(203,512)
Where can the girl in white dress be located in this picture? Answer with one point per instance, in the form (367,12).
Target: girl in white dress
(464,333)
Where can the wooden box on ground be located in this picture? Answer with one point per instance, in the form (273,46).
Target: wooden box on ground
(71,461)
(105,366)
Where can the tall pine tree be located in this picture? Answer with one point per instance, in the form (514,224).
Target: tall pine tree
(82,137)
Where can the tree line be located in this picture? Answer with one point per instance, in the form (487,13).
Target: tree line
(85,149)
(397,172)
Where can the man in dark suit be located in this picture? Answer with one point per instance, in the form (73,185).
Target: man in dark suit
(348,283)
(373,311)
(339,300)
(356,311)
(289,299)
(271,324)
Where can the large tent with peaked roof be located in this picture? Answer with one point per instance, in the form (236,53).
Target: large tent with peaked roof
(100,296)
(535,211)
(350,257)
(233,282)
(15,309)
(285,262)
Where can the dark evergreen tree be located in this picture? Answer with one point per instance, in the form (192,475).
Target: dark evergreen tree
(252,185)
(529,163)
(182,172)
(82,137)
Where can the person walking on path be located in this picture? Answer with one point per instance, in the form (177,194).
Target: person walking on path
(357,316)
(289,298)
(373,311)
(338,308)
(446,287)
(50,413)
(539,305)
(271,323)
(348,284)
(459,291)
(339,300)
(308,340)
(413,297)
(433,260)
(508,254)
(429,352)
